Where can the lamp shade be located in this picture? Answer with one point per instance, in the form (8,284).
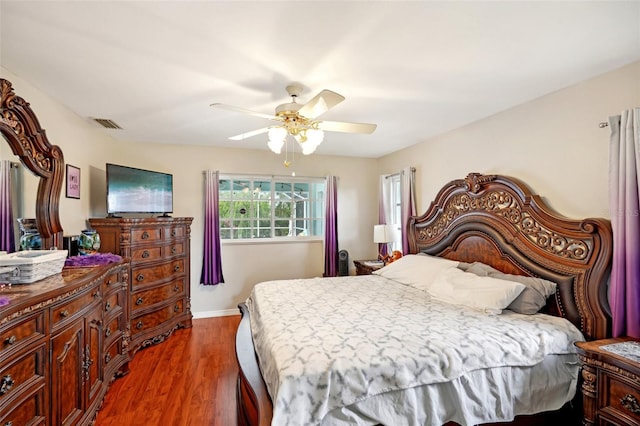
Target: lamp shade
(382,234)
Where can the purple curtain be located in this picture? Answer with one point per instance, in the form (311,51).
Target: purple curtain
(408,203)
(7,236)
(331,228)
(624,160)
(212,261)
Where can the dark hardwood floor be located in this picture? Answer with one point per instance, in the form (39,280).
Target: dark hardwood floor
(190,379)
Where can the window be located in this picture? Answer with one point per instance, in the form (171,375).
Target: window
(271,207)
(393,208)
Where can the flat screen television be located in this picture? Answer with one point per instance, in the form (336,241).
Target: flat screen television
(131,190)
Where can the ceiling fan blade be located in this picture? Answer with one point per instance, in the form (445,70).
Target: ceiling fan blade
(249,134)
(340,126)
(320,104)
(246,111)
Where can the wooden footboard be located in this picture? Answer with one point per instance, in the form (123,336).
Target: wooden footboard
(254,405)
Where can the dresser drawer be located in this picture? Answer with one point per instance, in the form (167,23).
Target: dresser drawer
(114,350)
(146,235)
(21,374)
(153,319)
(29,411)
(113,329)
(112,303)
(143,254)
(69,310)
(148,298)
(175,249)
(110,283)
(150,275)
(621,397)
(21,333)
(175,232)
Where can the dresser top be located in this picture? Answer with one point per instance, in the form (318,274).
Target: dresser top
(118,221)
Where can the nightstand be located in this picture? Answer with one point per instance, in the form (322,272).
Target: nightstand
(366,267)
(611,384)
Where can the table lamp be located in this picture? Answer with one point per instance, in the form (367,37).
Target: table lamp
(382,234)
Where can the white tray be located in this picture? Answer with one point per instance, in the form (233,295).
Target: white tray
(25,267)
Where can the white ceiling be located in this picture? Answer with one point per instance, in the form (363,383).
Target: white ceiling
(416,69)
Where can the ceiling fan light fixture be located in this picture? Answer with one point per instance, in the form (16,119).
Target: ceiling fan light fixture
(275,146)
(277,133)
(313,138)
(276,138)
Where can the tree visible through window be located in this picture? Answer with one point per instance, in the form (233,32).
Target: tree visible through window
(273,207)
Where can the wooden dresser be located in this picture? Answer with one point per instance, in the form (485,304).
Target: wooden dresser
(611,384)
(159,250)
(62,341)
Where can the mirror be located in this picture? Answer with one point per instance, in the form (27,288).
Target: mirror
(22,131)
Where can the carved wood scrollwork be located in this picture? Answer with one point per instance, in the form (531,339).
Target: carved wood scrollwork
(505,205)
(20,127)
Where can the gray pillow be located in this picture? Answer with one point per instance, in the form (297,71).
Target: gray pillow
(464,266)
(533,297)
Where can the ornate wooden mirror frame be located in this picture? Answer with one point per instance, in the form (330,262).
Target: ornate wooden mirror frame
(20,127)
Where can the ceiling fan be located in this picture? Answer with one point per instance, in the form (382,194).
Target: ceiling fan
(300,121)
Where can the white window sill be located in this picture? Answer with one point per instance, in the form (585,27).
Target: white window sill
(286,240)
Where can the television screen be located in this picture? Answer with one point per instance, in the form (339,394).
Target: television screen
(131,190)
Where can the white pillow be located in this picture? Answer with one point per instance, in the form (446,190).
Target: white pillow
(490,295)
(416,271)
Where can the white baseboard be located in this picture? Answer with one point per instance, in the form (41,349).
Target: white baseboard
(212,314)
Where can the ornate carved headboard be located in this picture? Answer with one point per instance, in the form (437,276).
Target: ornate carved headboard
(498,221)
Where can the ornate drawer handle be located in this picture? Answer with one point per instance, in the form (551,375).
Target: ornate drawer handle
(107,358)
(9,423)
(107,306)
(140,277)
(176,288)
(145,235)
(139,325)
(108,283)
(64,313)
(96,294)
(10,340)
(6,384)
(139,301)
(630,403)
(176,308)
(173,250)
(176,268)
(145,254)
(107,332)
(173,233)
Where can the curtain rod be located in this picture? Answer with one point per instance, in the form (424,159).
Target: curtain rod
(253,175)
(412,169)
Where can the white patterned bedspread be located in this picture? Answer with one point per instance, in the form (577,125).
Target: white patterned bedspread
(326,343)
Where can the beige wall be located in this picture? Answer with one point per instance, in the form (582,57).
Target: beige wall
(89,147)
(552,143)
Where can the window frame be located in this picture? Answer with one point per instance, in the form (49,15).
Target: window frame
(316,197)
(394,208)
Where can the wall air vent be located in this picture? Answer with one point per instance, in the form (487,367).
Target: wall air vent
(106,123)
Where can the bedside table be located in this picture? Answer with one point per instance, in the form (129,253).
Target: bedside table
(611,384)
(366,267)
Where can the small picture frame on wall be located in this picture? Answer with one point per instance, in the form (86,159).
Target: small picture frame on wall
(73,181)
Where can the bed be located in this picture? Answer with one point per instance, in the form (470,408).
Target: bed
(489,221)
